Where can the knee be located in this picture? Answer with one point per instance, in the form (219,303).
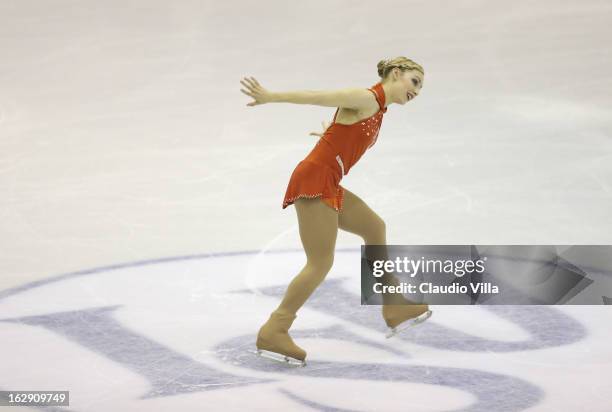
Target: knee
(381,226)
(377,232)
(321,265)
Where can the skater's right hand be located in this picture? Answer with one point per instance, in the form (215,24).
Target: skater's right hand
(255,90)
(325,127)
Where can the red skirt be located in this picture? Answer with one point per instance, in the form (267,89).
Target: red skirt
(314,179)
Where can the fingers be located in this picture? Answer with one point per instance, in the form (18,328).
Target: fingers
(251,80)
(247,85)
(250,83)
(254,90)
(252,87)
(249,94)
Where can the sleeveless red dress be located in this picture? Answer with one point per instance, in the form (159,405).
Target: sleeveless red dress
(336,152)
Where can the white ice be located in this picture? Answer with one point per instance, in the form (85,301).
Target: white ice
(124,138)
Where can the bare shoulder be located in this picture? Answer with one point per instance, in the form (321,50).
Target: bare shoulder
(363,100)
(367,107)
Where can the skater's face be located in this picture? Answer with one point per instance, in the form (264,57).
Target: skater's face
(407,85)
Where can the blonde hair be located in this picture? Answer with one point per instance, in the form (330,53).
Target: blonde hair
(401,62)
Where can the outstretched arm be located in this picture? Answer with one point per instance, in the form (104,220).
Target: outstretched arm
(353,98)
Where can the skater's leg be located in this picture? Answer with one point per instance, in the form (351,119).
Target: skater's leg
(318,226)
(358,218)
(318,229)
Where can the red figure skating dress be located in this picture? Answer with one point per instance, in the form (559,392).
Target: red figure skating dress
(336,152)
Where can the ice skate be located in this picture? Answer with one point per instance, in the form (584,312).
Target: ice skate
(274,342)
(400,317)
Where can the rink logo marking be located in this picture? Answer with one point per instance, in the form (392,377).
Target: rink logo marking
(179,373)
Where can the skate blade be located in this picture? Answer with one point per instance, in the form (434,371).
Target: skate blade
(279,357)
(410,322)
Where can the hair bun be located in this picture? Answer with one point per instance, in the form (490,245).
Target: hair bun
(403,63)
(381,67)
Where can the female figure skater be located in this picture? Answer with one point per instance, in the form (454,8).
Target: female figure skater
(323,205)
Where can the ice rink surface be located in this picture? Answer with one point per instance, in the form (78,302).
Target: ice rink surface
(143,240)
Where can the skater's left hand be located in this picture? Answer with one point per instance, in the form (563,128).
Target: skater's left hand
(325,127)
(256,91)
